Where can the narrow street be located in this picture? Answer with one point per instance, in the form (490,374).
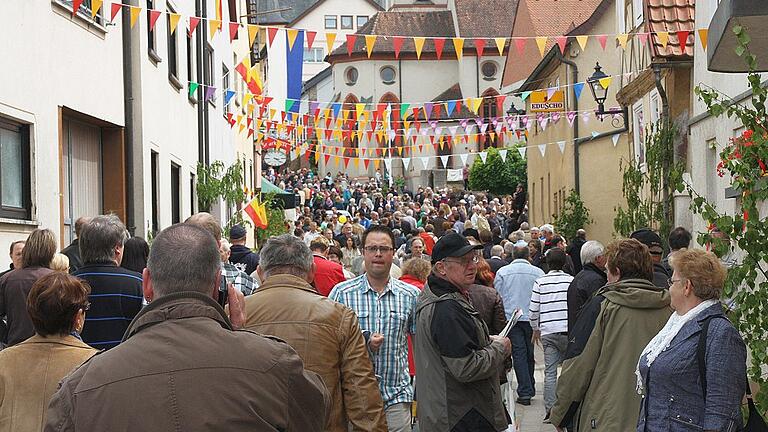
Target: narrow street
(530,417)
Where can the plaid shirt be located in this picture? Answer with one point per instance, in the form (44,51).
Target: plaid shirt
(392,314)
(239,279)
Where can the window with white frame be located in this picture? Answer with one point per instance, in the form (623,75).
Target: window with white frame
(313,55)
(638,132)
(621,11)
(655,106)
(637,12)
(361,20)
(85,10)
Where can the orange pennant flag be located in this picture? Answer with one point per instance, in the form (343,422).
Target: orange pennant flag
(95,6)
(458,45)
(135,11)
(213,25)
(370,41)
(253,30)
(703,34)
(173,21)
(500,42)
(330,38)
(292,34)
(418,42)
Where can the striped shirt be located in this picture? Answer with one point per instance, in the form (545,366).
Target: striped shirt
(391,314)
(549,303)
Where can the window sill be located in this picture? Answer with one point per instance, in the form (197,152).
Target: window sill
(192,100)
(86,21)
(154,57)
(19,222)
(175,82)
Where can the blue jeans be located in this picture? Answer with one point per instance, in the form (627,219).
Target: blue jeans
(554,345)
(522,359)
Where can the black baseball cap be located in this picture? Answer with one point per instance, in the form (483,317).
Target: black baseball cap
(452,245)
(237,232)
(649,238)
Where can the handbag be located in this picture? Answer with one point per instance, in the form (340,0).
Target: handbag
(755,422)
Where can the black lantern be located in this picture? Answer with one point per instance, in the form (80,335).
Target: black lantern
(599,93)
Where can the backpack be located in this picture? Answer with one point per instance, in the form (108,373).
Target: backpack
(755,422)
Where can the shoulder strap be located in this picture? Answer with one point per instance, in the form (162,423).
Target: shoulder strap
(701,354)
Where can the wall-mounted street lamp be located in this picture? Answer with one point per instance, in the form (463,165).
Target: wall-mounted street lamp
(600,93)
(514,111)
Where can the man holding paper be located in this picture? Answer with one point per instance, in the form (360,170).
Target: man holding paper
(458,361)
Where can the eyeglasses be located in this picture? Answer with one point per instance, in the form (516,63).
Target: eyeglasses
(85,307)
(671,281)
(378,249)
(474,259)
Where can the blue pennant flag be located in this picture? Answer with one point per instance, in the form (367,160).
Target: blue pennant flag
(450,106)
(577,88)
(525,95)
(228,96)
(336,109)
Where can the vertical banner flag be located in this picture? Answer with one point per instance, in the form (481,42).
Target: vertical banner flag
(285,70)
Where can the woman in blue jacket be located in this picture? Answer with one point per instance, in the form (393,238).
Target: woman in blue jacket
(674,397)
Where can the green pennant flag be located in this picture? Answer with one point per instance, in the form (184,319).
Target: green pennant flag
(404,110)
(193,88)
(289,104)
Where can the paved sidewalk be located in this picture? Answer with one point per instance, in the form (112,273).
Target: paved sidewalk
(530,417)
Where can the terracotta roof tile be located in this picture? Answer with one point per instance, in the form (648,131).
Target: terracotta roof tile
(671,16)
(485,18)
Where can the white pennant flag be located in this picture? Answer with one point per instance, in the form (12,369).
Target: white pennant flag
(392,134)
(425,161)
(444,158)
(483,156)
(561,144)
(388,163)
(542,149)
(585,116)
(484,128)
(468,129)
(438,131)
(503,154)
(454,130)
(615,139)
(522,151)
(406,163)
(464,158)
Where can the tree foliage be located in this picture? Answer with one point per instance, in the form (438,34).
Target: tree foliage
(744,162)
(497,176)
(573,216)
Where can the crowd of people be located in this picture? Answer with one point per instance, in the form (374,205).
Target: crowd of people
(380,310)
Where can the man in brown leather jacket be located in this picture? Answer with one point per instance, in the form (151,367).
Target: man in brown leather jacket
(326,334)
(182,367)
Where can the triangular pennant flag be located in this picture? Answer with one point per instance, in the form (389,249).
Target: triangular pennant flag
(253,30)
(571,116)
(595,134)
(542,149)
(213,27)
(330,38)
(663,38)
(682,39)
(135,11)
(615,139)
(193,88)
(291,34)
(603,39)
(503,154)
(643,38)
(75,6)
(310,38)
(483,155)
(95,6)
(622,38)
(480,47)
(520,45)
(388,164)
(173,21)
(404,110)
(418,42)
(115,9)
(351,38)
(551,91)
(444,158)
(606,82)
(193,22)
(500,42)
(561,144)
(541,41)
(449,107)
(406,163)
(464,157)
(562,41)
(577,88)
(425,162)
(228,96)
(703,34)
(582,40)
(397,44)
(476,102)
(525,95)
(271,33)
(522,150)
(153,16)
(370,41)
(439,44)
(458,46)
(210,92)
(233,29)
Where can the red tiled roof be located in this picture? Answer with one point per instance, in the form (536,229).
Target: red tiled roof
(485,18)
(671,16)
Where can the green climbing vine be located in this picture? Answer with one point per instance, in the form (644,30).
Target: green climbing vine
(573,216)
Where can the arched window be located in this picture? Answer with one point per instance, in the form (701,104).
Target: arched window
(490,111)
(349,126)
(395,122)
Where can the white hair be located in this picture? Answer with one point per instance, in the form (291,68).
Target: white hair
(497,251)
(590,251)
(547,228)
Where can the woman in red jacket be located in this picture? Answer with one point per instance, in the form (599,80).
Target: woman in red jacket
(415,272)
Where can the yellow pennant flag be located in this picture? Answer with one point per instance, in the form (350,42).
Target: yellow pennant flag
(663,38)
(458,45)
(330,38)
(272,112)
(356,161)
(606,82)
(376,163)
(703,33)
(582,40)
(292,33)
(247,98)
(173,21)
(213,25)
(418,42)
(541,41)
(253,30)
(317,157)
(95,6)
(500,41)
(135,11)
(476,102)
(336,161)
(622,38)
(370,40)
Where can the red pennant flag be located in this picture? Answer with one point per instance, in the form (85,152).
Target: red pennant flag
(603,39)
(310,38)
(439,44)
(233,28)
(397,43)
(418,125)
(682,38)
(193,22)
(282,116)
(480,46)
(306,155)
(416,115)
(436,111)
(457,110)
(500,103)
(229,117)
(346,162)
(369,134)
(520,45)
(76,5)
(250,132)
(327,158)
(351,43)
(432,140)
(562,41)
(153,16)
(115,9)
(271,33)
(366,162)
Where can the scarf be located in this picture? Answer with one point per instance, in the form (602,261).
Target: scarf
(662,340)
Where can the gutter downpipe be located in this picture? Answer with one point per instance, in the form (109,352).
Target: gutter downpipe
(574,79)
(130,218)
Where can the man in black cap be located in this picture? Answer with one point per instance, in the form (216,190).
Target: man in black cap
(241,256)
(649,238)
(457,361)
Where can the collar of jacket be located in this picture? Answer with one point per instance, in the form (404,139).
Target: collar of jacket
(185,304)
(596,269)
(67,340)
(440,287)
(286,281)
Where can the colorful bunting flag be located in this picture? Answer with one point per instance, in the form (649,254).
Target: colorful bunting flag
(271,33)
(541,41)
(351,43)
(458,45)
(577,88)
(253,30)
(397,44)
(173,21)
(330,38)
(115,9)
(562,41)
(228,96)
(370,41)
(500,42)
(603,39)
(682,39)
(213,27)
(193,22)
(153,16)
(606,82)
(193,88)
(663,38)
(310,38)
(418,42)
(439,44)
(622,38)
(703,34)
(582,40)
(233,29)
(520,45)
(480,47)
(522,150)
(135,11)
(76,6)
(292,34)
(95,6)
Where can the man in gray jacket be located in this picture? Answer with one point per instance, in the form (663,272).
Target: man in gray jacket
(457,361)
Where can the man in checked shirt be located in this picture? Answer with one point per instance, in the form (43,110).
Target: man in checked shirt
(385,307)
